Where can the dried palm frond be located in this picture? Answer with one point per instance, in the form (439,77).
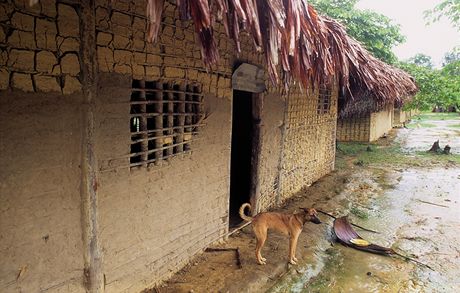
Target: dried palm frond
(298,42)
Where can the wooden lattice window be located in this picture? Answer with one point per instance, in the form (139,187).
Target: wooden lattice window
(165,117)
(324,99)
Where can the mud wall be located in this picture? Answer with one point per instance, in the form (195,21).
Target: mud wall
(40,128)
(308,149)
(381,123)
(400,117)
(149,221)
(40,225)
(354,128)
(153,220)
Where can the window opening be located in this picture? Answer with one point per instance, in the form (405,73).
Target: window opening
(165,117)
(324,99)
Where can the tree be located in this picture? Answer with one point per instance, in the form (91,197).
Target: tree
(375,31)
(422,60)
(437,87)
(447,8)
(452,56)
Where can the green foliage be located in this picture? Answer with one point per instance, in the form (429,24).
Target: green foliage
(375,31)
(447,8)
(438,87)
(422,60)
(452,56)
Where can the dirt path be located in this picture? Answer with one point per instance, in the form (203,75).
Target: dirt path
(416,211)
(413,205)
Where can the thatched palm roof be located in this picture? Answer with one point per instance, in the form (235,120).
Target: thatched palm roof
(306,46)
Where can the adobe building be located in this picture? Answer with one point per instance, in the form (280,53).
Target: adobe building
(122,158)
(367,127)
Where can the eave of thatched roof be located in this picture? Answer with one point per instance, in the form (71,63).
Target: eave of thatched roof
(307,47)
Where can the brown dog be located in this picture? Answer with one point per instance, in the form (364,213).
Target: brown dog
(287,224)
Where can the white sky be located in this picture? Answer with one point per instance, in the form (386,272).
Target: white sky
(433,40)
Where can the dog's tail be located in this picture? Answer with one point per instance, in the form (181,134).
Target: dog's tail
(242,215)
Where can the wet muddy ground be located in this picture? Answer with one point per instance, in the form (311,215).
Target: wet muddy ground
(413,201)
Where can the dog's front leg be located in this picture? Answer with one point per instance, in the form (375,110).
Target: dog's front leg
(292,248)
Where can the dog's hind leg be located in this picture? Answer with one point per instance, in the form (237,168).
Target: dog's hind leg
(261,237)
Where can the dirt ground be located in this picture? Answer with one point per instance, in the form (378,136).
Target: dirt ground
(413,208)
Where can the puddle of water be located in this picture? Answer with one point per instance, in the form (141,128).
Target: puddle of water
(421,139)
(425,231)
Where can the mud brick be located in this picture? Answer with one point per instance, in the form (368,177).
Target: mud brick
(172,72)
(120,42)
(138,71)
(104,39)
(21,39)
(21,60)
(3,58)
(105,59)
(139,24)
(123,5)
(45,61)
(121,24)
(4,79)
(68,45)
(123,57)
(139,7)
(22,21)
(5,11)
(192,74)
(25,4)
(139,44)
(102,17)
(2,36)
(223,83)
(47,83)
(153,59)
(139,58)
(102,3)
(152,72)
(70,64)
(71,85)
(48,8)
(68,22)
(22,81)
(122,68)
(46,32)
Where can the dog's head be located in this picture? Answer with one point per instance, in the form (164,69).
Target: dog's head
(311,215)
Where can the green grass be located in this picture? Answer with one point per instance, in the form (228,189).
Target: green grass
(427,116)
(359,213)
(416,124)
(365,154)
(455,126)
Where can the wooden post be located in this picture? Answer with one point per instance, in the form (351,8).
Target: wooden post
(93,277)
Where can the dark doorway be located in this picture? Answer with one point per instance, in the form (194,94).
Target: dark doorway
(244,141)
